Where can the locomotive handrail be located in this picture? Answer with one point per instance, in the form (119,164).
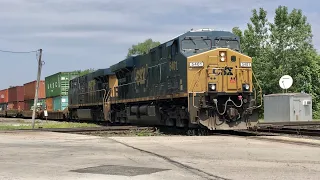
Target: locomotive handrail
(106,95)
(88,92)
(253,86)
(199,71)
(92,91)
(259,88)
(105,98)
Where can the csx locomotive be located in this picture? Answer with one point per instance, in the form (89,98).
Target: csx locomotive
(198,79)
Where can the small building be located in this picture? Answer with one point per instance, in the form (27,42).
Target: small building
(287,107)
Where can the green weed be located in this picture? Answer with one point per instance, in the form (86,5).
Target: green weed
(45,125)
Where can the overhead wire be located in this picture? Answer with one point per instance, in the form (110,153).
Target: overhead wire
(6,51)
(23,52)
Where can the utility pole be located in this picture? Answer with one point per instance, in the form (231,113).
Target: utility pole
(37,88)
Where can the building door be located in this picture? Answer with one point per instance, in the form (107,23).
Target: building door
(296,109)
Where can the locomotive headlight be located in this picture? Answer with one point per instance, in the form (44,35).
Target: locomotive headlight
(246,87)
(222,56)
(212,87)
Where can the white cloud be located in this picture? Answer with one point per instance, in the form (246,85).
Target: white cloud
(73,31)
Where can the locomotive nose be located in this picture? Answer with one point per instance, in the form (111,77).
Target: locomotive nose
(228,71)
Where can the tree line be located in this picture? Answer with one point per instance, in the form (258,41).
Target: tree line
(282,47)
(277,48)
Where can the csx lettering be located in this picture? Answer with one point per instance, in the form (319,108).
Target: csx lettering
(140,75)
(226,71)
(173,65)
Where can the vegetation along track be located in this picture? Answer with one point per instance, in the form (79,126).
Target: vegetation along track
(264,133)
(160,131)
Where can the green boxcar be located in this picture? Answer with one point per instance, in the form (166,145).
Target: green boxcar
(58,84)
(60,103)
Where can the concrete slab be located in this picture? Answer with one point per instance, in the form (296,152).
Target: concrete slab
(234,157)
(46,155)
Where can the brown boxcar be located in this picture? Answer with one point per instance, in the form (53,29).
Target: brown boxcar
(16,94)
(10,106)
(4,96)
(18,105)
(49,104)
(30,88)
(26,106)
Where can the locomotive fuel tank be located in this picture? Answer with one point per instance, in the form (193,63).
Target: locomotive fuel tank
(143,114)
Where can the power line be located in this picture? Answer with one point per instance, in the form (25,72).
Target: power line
(5,51)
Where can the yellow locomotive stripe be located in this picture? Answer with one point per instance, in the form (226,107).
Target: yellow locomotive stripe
(87,104)
(176,95)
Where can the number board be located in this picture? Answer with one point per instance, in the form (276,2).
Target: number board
(245,64)
(196,64)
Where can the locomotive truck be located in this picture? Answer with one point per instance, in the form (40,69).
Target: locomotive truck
(198,79)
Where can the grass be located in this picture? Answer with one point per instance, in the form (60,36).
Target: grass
(13,127)
(146,133)
(46,125)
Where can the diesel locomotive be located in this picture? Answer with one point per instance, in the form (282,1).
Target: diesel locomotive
(198,79)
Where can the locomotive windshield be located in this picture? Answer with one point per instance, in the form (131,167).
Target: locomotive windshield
(205,43)
(224,43)
(195,43)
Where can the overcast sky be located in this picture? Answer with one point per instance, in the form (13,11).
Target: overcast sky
(80,34)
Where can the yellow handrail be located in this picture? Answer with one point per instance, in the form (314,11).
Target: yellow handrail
(260,90)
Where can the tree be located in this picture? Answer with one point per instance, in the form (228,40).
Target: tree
(254,42)
(142,48)
(282,47)
(84,72)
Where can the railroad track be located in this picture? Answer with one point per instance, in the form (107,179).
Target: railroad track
(292,130)
(283,124)
(271,137)
(107,131)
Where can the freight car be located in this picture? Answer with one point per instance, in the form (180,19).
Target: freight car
(57,87)
(198,79)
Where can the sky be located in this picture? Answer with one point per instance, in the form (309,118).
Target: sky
(82,34)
